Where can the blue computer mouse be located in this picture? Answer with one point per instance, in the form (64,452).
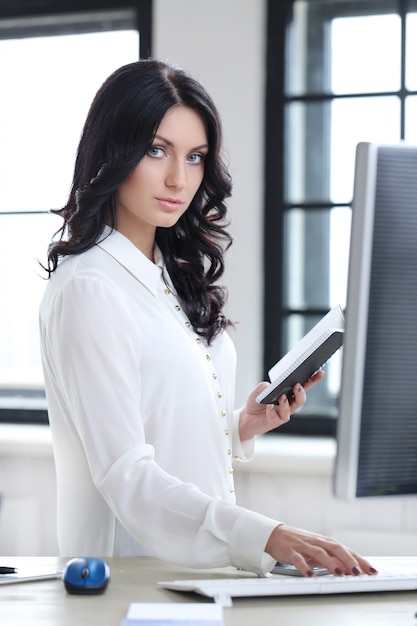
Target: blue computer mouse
(86,575)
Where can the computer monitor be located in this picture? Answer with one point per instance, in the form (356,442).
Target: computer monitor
(377,424)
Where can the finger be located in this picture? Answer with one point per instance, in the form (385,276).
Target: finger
(260,387)
(314,379)
(312,550)
(319,557)
(306,550)
(316,556)
(283,401)
(280,410)
(299,396)
(364,565)
(338,559)
(302,565)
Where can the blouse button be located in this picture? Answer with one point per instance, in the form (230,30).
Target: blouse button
(232,490)
(166,291)
(226,431)
(219,394)
(229,452)
(231,470)
(177,307)
(223,413)
(198,340)
(208,357)
(188,324)
(214,375)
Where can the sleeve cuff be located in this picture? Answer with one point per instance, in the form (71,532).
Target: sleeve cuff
(249,537)
(242,450)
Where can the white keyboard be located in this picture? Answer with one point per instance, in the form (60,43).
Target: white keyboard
(222,590)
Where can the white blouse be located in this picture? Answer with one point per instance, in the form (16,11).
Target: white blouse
(142,418)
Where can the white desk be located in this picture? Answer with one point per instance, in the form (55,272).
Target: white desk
(46,603)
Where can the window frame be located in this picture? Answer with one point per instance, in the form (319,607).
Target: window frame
(276,311)
(23,18)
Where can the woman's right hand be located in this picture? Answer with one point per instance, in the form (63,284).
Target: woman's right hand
(305,550)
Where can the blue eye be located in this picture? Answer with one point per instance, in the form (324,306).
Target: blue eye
(155,151)
(196,158)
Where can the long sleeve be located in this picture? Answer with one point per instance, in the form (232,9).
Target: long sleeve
(142,419)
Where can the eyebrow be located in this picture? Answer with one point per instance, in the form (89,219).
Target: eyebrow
(170,143)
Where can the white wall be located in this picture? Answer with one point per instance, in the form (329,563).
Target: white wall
(222,42)
(289,479)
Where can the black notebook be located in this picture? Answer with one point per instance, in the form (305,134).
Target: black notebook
(307,357)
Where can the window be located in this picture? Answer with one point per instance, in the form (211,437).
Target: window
(50,69)
(338,73)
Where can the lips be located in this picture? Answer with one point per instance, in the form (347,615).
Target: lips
(170,203)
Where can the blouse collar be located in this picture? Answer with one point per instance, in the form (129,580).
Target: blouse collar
(132,259)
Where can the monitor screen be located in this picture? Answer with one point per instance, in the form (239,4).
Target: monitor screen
(377,424)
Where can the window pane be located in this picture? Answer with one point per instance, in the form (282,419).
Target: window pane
(355,38)
(23,241)
(307,45)
(366,54)
(40,124)
(317,250)
(411,119)
(307,254)
(322,139)
(307,152)
(340,223)
(411,51)
(43,111)
(355,120)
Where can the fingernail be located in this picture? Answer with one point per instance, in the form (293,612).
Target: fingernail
(356,571)
(299,388)
(373,570)
(310,573)
(338,571)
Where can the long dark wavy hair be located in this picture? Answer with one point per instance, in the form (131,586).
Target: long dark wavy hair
(120,127)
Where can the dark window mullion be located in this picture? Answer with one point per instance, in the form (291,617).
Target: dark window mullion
(403,15)
(278,18)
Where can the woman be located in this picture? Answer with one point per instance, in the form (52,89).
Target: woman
(139,369)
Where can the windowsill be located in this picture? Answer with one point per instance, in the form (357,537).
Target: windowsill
(15,402)
(25,440)
(23,408)
(295,455)
(292,454)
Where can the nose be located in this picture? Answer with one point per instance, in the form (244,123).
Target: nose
(176,174)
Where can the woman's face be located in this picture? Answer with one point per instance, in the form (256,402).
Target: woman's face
(163,184)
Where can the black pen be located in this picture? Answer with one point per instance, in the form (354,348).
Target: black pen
(8,570)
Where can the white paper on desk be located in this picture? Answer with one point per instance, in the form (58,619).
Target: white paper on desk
(27,575)
(173,614)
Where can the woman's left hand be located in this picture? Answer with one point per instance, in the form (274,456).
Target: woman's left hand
(256,419)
